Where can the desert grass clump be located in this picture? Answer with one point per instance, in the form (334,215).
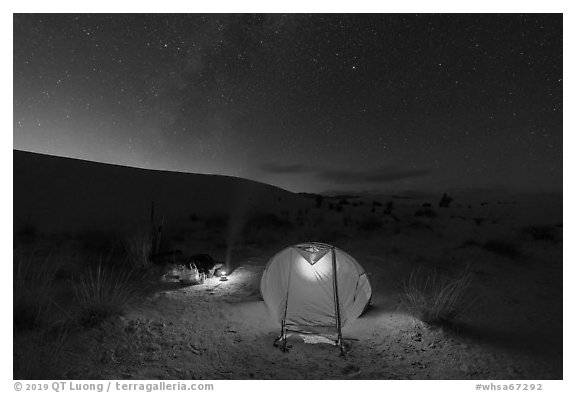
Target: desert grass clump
(40,354)
(438,298)
(103,292)
(33,288)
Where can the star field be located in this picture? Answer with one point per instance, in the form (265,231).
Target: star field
(306,102)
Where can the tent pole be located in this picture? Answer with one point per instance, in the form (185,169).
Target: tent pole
(337,301)
(283,337)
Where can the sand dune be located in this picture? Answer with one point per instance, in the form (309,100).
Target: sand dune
(55,193)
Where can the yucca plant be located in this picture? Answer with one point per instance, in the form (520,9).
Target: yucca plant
(438,298)
(139,248)
(103,292)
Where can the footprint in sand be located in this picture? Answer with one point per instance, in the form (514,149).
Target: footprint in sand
(350,371)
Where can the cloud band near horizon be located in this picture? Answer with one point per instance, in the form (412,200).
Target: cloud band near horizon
(344,176)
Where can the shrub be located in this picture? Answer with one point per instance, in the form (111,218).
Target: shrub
(503,248)
(41,355)
(389,208)
(425,212)
(102,293)
(437,298)
(541,232)
(479,220)
(26,234)
(445,201)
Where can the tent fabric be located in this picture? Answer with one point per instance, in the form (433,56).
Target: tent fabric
(298,287)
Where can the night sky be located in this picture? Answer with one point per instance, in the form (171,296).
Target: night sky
(306,102)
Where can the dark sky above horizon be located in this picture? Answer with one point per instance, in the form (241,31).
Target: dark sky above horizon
(305,102)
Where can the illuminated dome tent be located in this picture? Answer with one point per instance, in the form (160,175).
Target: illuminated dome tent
(314,288)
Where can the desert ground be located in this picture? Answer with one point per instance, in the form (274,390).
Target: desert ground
(89,303)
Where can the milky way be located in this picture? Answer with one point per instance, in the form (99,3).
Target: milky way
(305,102)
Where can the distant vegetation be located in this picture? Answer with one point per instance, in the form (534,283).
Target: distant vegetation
(445,201)
(503,248)
(265,228)
(369,224)
(425,212)
(541,232)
